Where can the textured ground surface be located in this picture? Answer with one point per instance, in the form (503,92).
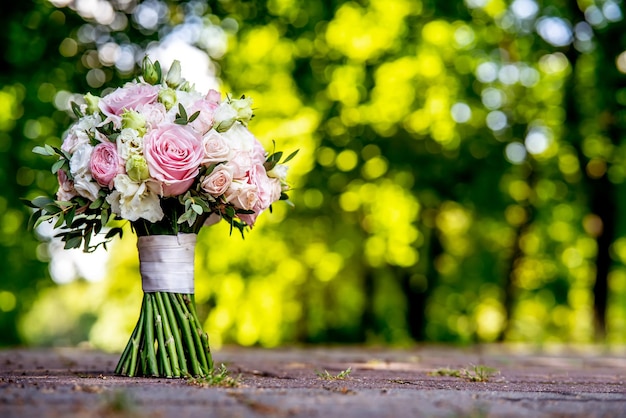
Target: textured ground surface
(565,382)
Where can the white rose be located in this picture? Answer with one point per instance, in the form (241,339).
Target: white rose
(79,163)
(79,133)
(242,195)
(129,143)
(131,200)
(86,187)
(216,149)
(239,138)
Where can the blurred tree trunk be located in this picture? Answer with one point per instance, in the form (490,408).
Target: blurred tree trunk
(509,285)
(417,284)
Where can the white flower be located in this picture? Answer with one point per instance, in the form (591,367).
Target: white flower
(86,187)
(173,78)
(132,200)
(187,99)
(129,143)
(239,138)
(279,172)
(79,163)
(243,107)
(79,132)
(224,117)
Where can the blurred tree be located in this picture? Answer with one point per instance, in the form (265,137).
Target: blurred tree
(459,178)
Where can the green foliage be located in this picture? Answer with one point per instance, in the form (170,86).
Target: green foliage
(459,177)
(475,373)
(217,378)
(326,375)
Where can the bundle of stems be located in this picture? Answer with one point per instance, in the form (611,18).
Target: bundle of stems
(168,340)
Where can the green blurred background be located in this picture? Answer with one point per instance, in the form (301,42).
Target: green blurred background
(461,173)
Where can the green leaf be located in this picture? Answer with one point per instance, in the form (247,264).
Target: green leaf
(97,203)
(41,201)
(28,203)
(46,150)
(159,71)
(76,110)
(33,219)
(57,166)
(69,217)
(113,232)
(104,216)
(275,157)
(60,221)
(52,208)
(73,243)
(293,154)
(182,112)
(43,219)
(194,116)
(197,209)
(180,121)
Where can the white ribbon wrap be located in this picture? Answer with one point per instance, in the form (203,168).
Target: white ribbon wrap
(166,263)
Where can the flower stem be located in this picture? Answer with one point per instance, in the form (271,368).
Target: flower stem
(175,334)
(136,341)
(170,342)
(196,331)
(152,368)
(183,318)
(164,361)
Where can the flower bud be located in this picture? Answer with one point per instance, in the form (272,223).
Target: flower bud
(173,78)
(137,168)
(224,117)
(151,73)
(186,86)
(92,103)
(243,107)
(279,172)
(134,120)
(167,97)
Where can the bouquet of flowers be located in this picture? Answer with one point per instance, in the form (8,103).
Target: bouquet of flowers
(168,159)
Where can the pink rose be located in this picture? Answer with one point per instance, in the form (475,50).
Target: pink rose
(258,152)
(105,164)
(241,162)
(241,195)
(268,189)
(249,219)
(214,96)
(174,154)
(216,150)
(204,122)
(218,182)
(154,113)
(129,97)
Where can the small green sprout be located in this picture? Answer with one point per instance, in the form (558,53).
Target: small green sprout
(325,375)
(217,378)
(475,373)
